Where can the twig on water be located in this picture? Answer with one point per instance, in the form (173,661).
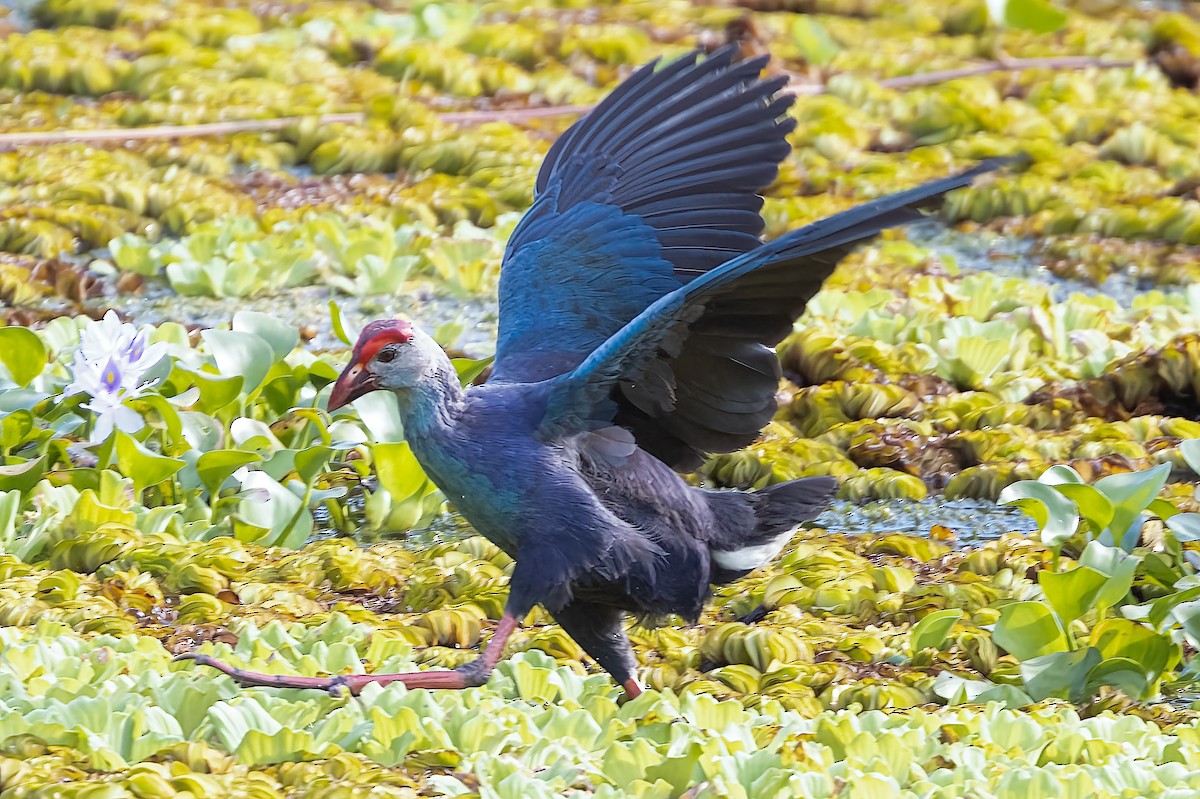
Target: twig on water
(985,68)
(34,138)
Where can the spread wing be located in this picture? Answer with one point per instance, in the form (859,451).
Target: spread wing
(654,187)
(694,373)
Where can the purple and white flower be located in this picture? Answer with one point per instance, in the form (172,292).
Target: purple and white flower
(110,366)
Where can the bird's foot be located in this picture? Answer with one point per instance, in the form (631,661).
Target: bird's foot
(632,689)
(755,616)
(354,683)
(468,675)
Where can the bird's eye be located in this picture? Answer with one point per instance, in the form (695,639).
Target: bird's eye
(386,356)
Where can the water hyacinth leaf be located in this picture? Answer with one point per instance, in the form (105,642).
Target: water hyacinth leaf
(10,504)
(22,353)
(1162,509)
(1055,515)
(1187,614)
(1072,593)
(1130,494)
(1038,16)
(1121,673)
(1093,506)
(200,431)
(932,630)
(310,461)
(1160,613)
(243,354)
(381,415)
(215,467)
(1190,450)
(281,463)
(1060,474)
(23,476)
(345,332)
(144,467)
(1117,565)
(15,428)
(277,510)
(279,335)
(1060,674)
(1027,630)
(469,369)
(254,435)
(1185,526)
(1153,652)
(216,392)
(159,413)
(813,41)
(399,473)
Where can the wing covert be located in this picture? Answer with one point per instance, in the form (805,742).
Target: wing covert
(654,187)
(694,373)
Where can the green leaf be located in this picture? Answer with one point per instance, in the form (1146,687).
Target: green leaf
(1121,673)
(10,505)
(931,631)
(14,429)
(1160,612)
(1095,508)
(679,770)
(1190,450)
(279,335)
(1187,614)
(22,476)
(1060,674)
(1032,15)
(1130,494)
(1121,638)
(1185,526)
(1055,515)
(309,462)
(22,353)
(1060,474)
(343,331)
(282,514)
(216,392)
(381,415)
(1162,509)
(1027,630)
(470,368)
(242,354)
(215,467)
(813,41)
(144,467)
(1072,593)
(398,470)
(1117,565)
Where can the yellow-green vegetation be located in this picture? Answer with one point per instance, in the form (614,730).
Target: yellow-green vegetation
(1039,345)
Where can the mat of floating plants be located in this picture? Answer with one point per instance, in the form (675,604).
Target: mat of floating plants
(200,205)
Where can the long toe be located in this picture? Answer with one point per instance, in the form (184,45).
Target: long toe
(354,683)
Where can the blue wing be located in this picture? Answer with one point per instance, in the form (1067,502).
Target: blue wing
(656,186)
(694,372)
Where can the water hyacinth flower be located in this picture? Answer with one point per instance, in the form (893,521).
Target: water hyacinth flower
(110,365)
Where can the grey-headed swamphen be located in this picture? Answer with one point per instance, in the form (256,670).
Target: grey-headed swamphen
(638,309)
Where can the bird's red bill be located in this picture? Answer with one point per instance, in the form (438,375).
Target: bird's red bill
(351,384)
(356,380)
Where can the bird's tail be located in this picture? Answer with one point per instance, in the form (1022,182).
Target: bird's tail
(778,511)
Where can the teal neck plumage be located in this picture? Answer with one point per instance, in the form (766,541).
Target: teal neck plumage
(429,409)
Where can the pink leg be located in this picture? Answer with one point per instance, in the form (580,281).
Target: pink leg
(466,676)
(632,689)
